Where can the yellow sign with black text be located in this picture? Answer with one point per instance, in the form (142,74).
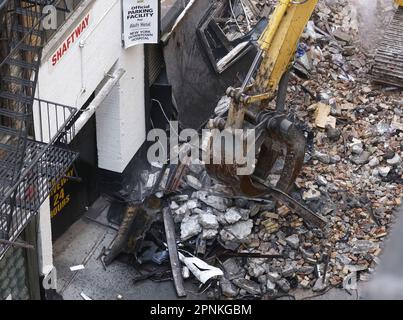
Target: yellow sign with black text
(59,197)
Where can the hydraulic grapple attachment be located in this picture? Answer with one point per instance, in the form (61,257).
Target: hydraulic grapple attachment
(276,139)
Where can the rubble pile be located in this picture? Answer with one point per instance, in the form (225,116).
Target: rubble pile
(352,176)
(259,248)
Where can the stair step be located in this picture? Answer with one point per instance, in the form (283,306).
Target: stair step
(26,47)
(16,80)
(10,131)
(13,114)
(16,97)
(22,64)
(28,12)
(7,165)
(8,147)
(24,30)
(40,2)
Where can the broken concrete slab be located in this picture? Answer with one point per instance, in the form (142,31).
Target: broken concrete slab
(190,227)
(293,241)
(233,269)
(238,231)
(215,202)
(208,221)
(233,215)
(248,285)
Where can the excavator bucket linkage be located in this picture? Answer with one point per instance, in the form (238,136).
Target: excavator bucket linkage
(277,139)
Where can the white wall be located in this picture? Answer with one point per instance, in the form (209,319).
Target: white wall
(121,117)
(45,255)
(76,75)
(81,70)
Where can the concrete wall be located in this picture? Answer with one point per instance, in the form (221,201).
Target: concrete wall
(121,117)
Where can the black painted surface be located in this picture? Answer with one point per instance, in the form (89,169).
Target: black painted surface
(70,201)
(196,86)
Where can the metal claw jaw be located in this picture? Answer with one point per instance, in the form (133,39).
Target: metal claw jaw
(275,137)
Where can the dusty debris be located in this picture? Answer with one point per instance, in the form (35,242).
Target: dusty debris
(215,202)
(293,241)
(228,289)
(284,285)
(248,285)
(238,231)
(232,216)
(311,195)
(208,221)
(353,173)
(193,182)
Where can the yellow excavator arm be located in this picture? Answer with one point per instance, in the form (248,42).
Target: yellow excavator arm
(399,3)
(275,135)
(277,46)
(280,40)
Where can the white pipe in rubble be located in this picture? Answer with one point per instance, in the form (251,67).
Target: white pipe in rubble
(99,98)
(166,36)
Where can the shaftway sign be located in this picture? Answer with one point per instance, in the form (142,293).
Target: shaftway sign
(140,22)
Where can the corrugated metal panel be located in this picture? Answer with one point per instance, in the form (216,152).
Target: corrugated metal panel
(155,62)
(388,66)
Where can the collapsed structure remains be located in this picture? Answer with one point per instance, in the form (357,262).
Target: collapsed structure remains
(77,104)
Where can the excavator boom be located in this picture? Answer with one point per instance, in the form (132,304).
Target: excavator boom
(280,40)
(276,137)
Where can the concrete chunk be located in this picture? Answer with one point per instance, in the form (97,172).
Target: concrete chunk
(190,227)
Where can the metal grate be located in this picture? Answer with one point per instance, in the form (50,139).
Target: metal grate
(388,66)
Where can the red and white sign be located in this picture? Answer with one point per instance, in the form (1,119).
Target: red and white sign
(74,36)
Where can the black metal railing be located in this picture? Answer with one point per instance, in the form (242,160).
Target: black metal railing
(45,163)
(52,122)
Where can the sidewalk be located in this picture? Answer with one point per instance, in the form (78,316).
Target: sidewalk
(82,244)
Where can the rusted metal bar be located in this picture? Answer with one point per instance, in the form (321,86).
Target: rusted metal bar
(173,252)
(17,244)
(299,209)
